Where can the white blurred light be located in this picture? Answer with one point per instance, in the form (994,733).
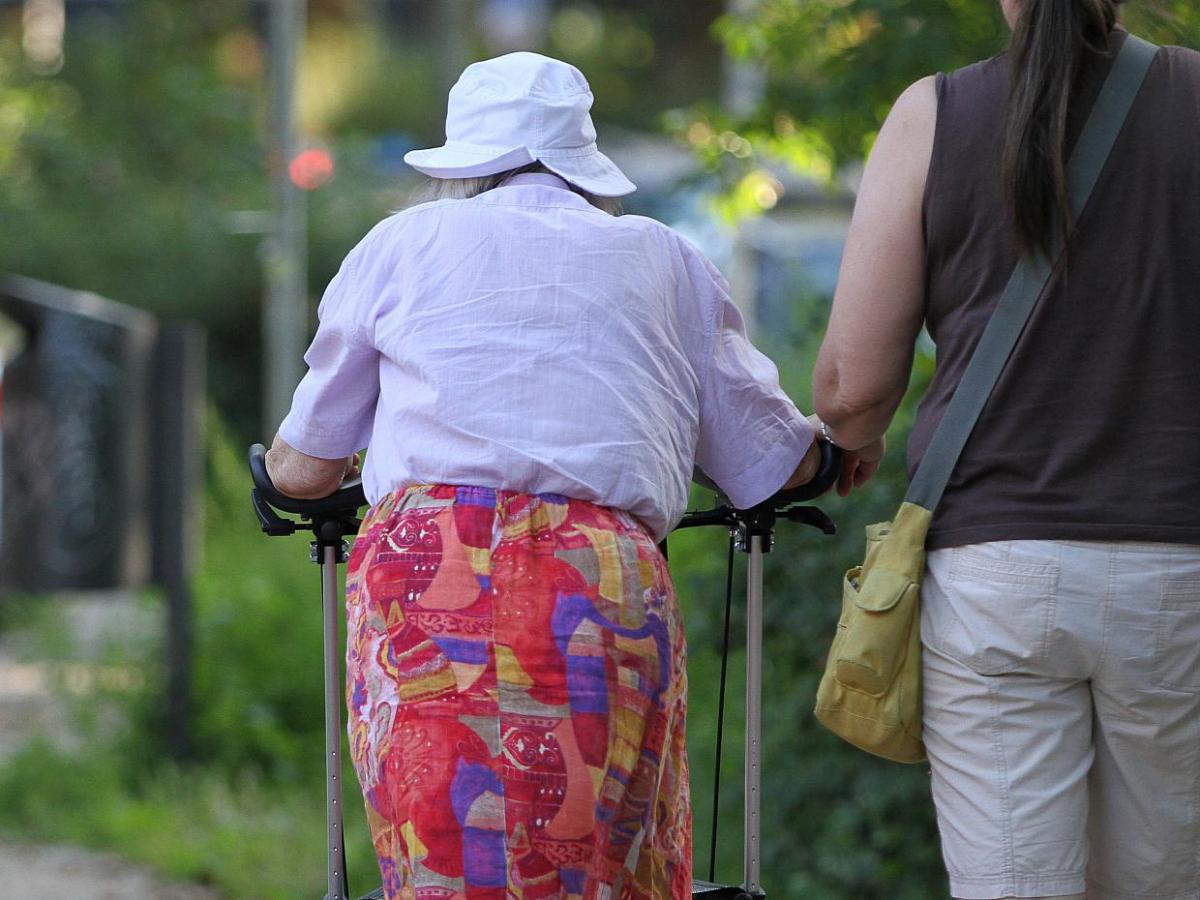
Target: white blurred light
(515,24)
(44,22)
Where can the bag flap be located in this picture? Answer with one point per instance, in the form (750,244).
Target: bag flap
(881,590)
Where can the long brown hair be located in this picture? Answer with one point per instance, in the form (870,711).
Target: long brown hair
(1050,43)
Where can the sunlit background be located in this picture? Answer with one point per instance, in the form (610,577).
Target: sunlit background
(179,179)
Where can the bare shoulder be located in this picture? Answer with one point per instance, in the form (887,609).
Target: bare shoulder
(915,112)
(902,152)
(920,96)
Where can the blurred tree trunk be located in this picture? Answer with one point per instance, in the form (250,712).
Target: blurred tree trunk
(285,312)
(454,27)
(743,81)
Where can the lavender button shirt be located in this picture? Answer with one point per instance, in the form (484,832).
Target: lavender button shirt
(525,340)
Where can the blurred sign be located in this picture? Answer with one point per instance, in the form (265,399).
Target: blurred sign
(76,432)
(101,457)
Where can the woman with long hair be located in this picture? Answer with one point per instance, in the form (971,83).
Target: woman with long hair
(1061,600)
(536,379)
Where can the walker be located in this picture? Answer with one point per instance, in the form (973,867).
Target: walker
(332,518)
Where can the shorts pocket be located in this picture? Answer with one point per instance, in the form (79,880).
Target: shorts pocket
(1177,638)
(992,608)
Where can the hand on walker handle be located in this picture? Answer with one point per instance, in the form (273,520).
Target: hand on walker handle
(305,477)
(859,466)
(808,467)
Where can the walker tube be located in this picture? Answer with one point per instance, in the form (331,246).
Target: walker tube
(754,660)
(330,600)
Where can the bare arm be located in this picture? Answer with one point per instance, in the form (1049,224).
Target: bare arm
(306,477)
(866,357)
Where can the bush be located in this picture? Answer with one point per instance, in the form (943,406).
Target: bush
(837,823)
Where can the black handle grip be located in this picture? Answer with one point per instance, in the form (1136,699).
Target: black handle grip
(826,477)
(346,499)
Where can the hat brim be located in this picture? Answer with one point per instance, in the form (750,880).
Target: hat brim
(467,162)
(589,170)
(593,172)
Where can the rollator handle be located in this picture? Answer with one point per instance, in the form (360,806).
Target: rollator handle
(786,505)
(828,470)
(328,518)
(347,498)
(827,475)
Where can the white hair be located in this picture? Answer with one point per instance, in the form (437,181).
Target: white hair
(465,188)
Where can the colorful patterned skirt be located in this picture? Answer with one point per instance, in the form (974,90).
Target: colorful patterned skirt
(517,692)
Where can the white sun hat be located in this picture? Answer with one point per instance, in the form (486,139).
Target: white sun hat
(518,109)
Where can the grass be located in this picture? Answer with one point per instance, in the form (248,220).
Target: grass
(246,838)
(247,815)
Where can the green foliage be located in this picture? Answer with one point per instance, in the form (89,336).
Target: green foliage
(120,170)
(1165,21)
(638,57)
(258,677)
(834,68)
(126,172)
(837,66)
(119,174)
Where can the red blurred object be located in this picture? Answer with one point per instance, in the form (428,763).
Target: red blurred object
(310,169)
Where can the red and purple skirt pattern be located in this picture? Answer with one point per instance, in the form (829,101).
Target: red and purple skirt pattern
(517,691)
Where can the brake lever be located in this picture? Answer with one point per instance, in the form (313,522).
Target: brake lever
(272,523)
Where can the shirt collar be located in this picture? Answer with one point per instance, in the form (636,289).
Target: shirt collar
(535,189)
(546,178)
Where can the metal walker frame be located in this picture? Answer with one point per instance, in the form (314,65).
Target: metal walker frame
(332,518)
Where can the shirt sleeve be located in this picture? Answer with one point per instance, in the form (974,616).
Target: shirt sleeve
(752,436)
(333,408)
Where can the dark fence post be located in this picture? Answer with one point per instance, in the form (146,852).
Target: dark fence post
(178,479)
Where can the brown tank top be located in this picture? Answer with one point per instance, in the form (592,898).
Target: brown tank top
(1093,430)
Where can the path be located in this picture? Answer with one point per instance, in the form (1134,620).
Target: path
(70,873)
(28,707)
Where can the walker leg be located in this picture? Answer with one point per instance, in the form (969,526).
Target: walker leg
(331,601)
(754,631)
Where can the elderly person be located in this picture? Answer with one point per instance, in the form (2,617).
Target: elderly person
(1061,620)
(536,379)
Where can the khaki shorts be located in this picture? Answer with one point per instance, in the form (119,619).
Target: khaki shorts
(1062,718)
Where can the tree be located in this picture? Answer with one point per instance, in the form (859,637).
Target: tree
(834,67)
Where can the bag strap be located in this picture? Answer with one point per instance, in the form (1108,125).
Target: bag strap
(1030,278)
